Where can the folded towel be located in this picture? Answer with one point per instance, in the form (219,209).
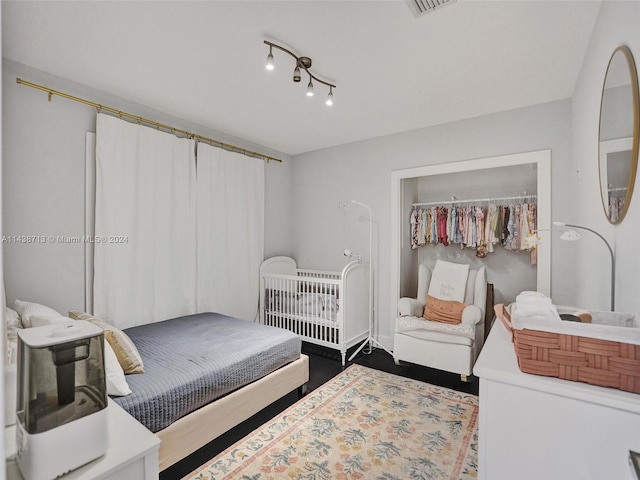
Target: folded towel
(535,304)
(547,311)
(532,298)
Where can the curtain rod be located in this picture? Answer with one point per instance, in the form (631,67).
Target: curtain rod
(471,200)
(139,119)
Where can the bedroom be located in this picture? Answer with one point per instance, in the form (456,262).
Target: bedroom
(354,162)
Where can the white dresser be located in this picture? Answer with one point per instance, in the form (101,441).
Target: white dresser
(132,452)
(541,428)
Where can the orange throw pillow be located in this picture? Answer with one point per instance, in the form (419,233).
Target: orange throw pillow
(443,311)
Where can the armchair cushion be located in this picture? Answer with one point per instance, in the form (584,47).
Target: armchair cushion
(420,328)
(443,311)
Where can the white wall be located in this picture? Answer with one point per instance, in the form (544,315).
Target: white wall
(618,23)
(362,171)
(43,184)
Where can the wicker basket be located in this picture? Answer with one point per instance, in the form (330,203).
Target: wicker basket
(581,359)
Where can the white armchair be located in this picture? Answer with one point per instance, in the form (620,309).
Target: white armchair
(453,348)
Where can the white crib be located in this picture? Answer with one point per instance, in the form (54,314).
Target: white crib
(324,308)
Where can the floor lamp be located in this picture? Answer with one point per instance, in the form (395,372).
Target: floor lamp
(572,235)
(369,340)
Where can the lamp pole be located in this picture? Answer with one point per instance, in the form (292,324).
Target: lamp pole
(370,340)
(613,260)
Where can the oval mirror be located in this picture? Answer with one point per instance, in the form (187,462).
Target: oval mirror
(618,134)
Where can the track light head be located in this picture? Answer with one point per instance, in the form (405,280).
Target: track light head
(329,100)
(270,65)
(310,89)
(302,62)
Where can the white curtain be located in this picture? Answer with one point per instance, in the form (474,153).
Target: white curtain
(230,231)
(145,261)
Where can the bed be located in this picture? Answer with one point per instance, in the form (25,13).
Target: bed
(204,374)
(322,307)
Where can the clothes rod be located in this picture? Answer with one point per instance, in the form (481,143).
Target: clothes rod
(475,200)
(153,123)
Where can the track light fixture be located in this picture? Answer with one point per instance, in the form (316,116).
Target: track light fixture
(303,63)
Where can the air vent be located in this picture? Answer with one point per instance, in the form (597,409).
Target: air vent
(420,7)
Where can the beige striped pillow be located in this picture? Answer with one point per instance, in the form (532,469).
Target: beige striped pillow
(125,350)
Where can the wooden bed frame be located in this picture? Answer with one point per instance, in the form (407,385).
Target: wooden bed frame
(195,430)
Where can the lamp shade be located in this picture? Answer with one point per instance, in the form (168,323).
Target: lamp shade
(329,100)
(270,65)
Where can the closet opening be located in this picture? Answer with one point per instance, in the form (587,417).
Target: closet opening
(518,179)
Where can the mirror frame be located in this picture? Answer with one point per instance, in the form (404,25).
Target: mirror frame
(626,51)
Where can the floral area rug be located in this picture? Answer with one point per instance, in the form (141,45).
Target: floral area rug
(362,424)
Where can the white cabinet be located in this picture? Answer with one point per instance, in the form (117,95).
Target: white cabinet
(132,452)
(534,427)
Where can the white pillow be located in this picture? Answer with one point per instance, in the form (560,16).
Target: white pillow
(27,310)
(38,321)
(117,385)
(13,319)
(449,281)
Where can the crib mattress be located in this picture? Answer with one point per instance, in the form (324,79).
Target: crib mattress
(191,361)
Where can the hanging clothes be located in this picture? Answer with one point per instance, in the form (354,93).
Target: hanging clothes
(616,205)
(479,226)
(422,227)
(414,228)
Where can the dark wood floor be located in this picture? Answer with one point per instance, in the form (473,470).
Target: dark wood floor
(324,364)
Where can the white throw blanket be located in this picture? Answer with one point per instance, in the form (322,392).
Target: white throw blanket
(408,324)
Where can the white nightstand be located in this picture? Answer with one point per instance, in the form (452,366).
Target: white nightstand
(132,452)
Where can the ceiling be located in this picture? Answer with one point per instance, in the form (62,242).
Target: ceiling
(204,61)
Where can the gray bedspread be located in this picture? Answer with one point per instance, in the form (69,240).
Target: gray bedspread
(191,361)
